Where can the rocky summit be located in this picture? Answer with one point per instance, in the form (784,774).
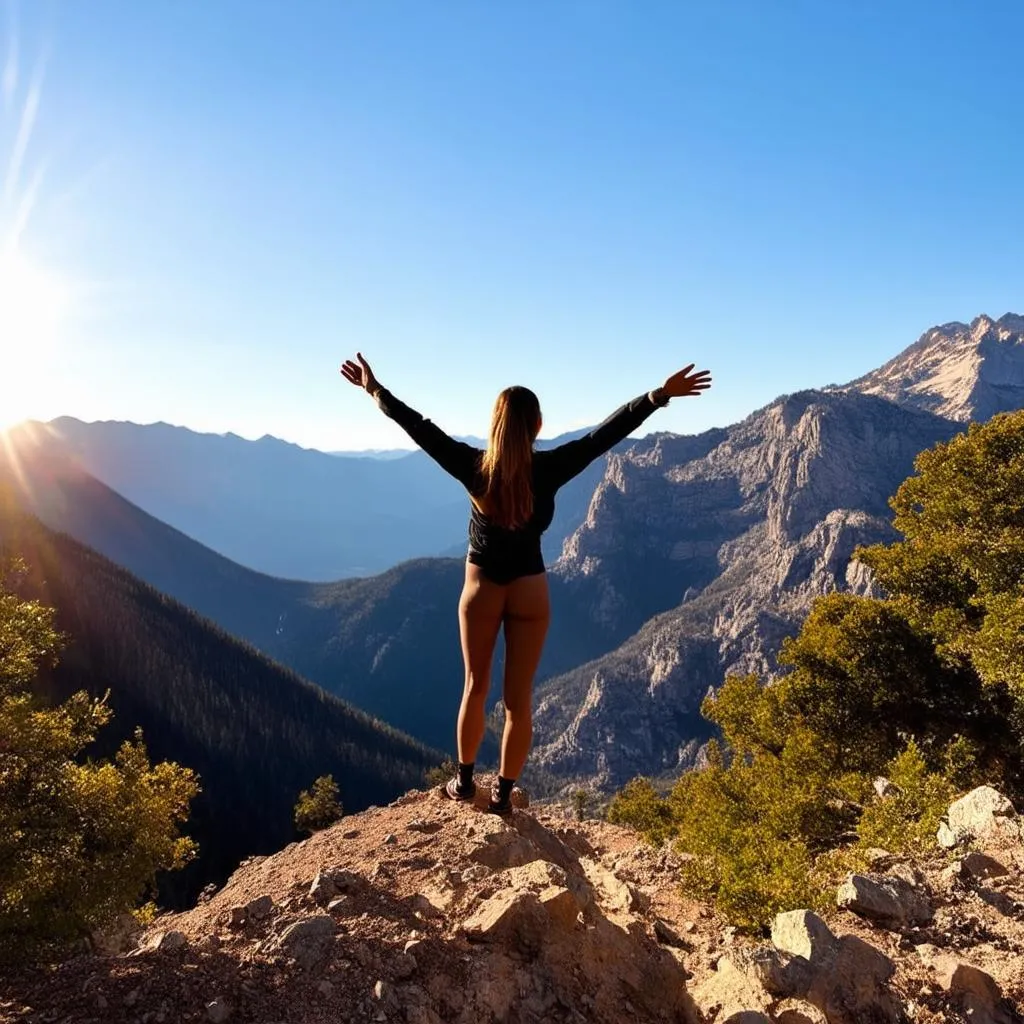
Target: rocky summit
(425,911)
(959,371)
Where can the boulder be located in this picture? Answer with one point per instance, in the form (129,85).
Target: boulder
(165,942)
(975,991)
(513,916)
(328,884)
(853,987)
(887,900)
(751,979)
(982,866)
(747,1017)
(503,848)
(981,813)
(536,899)
(307,940)
(804,934)
(260,908)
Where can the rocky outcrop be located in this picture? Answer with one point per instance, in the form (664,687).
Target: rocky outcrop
(465,917)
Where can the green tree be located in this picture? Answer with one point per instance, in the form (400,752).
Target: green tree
(925,686)
(318,806)
(580,799)
(959,571)
(80,840)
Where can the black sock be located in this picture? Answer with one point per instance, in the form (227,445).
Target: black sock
(466,775)
(505,789)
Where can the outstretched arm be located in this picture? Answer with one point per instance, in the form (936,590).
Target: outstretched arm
(453,456)
(570,459)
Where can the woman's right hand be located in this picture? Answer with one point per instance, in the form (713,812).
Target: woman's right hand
(683,384)
(360,374)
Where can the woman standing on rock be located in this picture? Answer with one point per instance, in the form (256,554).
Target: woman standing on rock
(512,491)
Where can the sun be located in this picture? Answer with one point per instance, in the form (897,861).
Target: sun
(31,305)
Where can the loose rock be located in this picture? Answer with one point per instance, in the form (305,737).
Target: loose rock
(802,933)
(981,813)
(889,901)
(307,940)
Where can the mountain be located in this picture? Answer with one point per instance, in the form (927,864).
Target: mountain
(709,550)
(741,529)
(254,731)
(388,644)
(284,510)
(960,371)
(373,453)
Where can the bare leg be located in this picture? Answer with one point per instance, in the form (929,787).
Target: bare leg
(527,614)
(480,612)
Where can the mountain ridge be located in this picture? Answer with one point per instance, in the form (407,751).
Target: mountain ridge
(254,730)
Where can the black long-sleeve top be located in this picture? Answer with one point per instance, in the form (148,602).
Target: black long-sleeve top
(506,554)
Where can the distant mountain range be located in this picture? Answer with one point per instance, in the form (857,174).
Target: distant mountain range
(280,509)
(254,731)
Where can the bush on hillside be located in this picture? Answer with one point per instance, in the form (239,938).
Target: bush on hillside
(318,807)
(907,819)
(81,840)
(441,773)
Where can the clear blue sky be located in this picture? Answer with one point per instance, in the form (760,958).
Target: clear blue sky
(577,196)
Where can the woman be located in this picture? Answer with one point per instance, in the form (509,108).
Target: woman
(512,491)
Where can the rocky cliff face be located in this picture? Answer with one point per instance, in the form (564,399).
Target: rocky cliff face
(706,552)
(423,912)
(960,371)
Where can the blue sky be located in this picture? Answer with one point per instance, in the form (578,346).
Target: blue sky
(229,198)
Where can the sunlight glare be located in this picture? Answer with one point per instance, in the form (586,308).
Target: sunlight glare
(31,304)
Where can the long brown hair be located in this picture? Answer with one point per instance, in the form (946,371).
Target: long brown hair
(505,494)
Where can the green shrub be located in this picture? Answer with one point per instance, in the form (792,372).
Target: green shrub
(319,806)
(81,840)
(439,775)
(639,806)
(907,820)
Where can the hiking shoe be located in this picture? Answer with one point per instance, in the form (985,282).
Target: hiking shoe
(454,792)
(498,806)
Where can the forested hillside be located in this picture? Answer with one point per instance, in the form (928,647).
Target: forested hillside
(254,731)
(388,644)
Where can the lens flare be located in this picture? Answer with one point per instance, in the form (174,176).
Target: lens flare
(33,299)
(31,304)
